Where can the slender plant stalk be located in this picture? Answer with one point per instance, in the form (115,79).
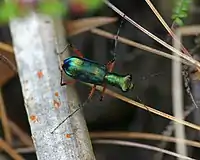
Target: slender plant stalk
(169,30)
(139,145)
(5,147)
(139,45)
(82,25)
(145,107)
(186,57)
(141,135)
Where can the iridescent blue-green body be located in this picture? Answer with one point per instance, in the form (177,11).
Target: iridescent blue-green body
(92,72)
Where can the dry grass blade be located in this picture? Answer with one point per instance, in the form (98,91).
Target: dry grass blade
(139,135)
(7,62)
(25,150)
(166,26)
(23,137)
(149,109)
(188,58)
(6,47)
(4,121)
(139,145)
(78,26)
(7,66)
(190,30)
(138,45)
(4,146)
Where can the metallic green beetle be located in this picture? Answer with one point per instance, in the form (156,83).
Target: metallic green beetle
(88,71)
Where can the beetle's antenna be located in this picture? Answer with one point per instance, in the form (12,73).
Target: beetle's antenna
(146,78)
(70,115)
(113,52)
(111,63)
(153,120)
(151,75)
(67,45)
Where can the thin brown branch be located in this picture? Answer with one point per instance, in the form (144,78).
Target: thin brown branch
(167,27)
(138,45)
(139,145)
(24,138)
(82,25)
(184,56)
(189,30)
(6,47)
(4,119)
(25,150)
(149,109)
(10,150)
(140,135)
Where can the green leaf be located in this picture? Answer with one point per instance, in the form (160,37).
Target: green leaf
(183,15)
(174,16)
(52,7)
(92,4)
(179,21)
(8,10)
(180,10)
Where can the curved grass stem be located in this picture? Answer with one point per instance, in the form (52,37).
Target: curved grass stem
(141,135)
(145,107)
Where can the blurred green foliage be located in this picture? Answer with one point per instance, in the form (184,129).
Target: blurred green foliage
(8,10)
(15,8)
(180,11)
(92,4)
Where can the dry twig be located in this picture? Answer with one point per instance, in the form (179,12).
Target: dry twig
(139,145)
(140,135)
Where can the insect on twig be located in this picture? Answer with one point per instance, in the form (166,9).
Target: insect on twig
(85,70)
(88,71)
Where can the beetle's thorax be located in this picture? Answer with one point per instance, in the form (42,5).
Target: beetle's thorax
(120,81)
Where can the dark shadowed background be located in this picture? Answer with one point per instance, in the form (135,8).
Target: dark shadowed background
(112,114)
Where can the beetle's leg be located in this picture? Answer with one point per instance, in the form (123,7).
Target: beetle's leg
(92,91)
(76,50)
(61,78)
(110,65)
(102,93)
(66,82)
